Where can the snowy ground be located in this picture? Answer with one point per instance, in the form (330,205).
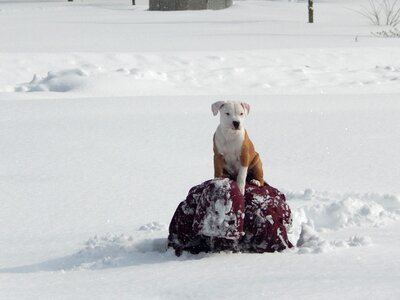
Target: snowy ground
(105,124)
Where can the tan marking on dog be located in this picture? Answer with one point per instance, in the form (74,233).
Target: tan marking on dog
(251,159)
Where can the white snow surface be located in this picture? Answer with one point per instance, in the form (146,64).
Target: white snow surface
(105,125)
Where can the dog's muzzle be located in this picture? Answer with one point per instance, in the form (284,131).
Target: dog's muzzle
(236,124)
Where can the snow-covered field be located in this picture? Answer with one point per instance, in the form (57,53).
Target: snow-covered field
(105,124)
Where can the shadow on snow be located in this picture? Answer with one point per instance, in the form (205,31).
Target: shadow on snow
(108,252)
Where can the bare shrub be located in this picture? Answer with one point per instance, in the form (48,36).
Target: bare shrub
(391,10)
(382,12)
(389,33)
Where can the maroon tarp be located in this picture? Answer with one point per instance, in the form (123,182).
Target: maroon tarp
(215,216)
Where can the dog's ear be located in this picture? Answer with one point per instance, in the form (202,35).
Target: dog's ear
(217,106)
(246,107)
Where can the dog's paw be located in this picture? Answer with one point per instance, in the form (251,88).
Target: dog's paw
(255,182)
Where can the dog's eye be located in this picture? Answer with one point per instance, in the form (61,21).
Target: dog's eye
(241,114)
(228,114)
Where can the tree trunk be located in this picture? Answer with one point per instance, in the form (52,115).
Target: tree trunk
(310,11)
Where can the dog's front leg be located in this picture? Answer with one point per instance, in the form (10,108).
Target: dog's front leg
(218,165)
(241,178)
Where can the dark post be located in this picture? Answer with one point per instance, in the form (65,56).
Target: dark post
(133,2)
(310,11)
(70,0)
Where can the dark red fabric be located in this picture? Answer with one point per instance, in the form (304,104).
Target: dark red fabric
(215,216)
(267,216)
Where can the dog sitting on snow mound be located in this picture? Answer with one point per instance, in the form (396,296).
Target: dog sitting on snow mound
(216,217)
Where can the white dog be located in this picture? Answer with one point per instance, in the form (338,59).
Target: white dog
(234,154)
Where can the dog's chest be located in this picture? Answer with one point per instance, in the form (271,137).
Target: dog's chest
(231,148)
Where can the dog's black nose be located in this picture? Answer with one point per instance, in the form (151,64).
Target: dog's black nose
(236,124)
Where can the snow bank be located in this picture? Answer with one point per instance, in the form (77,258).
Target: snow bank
(244,73)
(310,241)
(61,81)
(334,211)
(319,212)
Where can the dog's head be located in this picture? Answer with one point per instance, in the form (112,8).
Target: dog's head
(232,113)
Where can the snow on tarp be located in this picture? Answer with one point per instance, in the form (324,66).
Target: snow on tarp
(215,216)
